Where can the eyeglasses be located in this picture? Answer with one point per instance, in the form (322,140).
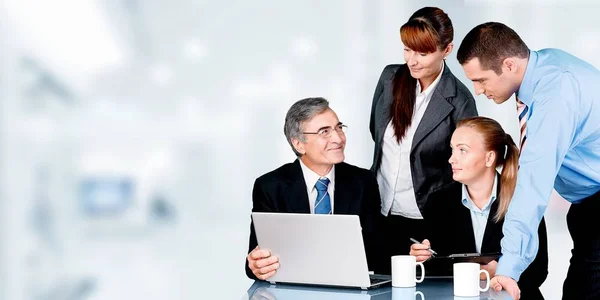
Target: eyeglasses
(327,131)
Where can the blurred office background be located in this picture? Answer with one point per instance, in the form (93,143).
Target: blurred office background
(132,131)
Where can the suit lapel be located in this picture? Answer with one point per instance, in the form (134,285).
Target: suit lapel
(296,194)
(343,190)
(438,108)
(464,217)
(491,228)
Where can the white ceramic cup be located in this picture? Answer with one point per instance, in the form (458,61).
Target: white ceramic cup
(404,273)
(406,293)
(466,279)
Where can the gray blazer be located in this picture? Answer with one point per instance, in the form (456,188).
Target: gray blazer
(451,101)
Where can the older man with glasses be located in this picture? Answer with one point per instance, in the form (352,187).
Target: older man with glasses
(318,182)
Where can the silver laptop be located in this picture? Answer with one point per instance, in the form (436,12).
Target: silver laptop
(316,249)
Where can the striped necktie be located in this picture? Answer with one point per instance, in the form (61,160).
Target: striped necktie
(323,202)
(522,110)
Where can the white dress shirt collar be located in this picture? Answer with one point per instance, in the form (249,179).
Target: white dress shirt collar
(310,178)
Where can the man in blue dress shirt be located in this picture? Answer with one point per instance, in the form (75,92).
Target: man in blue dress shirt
(558,102)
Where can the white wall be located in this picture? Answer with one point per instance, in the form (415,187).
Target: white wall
(188,98)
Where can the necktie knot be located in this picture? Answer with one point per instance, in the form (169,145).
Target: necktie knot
(322,184)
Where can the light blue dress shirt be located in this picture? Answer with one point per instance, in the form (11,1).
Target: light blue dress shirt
(562,150)
(479,217)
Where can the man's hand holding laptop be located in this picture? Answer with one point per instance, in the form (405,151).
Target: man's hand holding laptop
(262,264)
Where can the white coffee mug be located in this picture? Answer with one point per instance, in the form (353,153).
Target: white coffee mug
(406,293)
(404,273)
(466,279)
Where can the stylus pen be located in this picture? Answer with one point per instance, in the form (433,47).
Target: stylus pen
(417,242)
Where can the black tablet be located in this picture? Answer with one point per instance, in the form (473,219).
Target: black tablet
(482,259)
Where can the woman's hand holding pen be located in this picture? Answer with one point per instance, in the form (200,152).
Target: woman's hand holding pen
(421,250)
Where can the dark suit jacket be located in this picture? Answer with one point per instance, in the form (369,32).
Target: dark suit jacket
(450,230)
(356,193)
(451,101)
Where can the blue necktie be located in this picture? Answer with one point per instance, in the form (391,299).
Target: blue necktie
(322,203)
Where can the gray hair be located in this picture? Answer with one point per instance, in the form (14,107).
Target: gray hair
(302,111)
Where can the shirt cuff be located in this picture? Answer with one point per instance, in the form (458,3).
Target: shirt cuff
(510,265)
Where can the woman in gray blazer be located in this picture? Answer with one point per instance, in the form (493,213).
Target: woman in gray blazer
(415,110)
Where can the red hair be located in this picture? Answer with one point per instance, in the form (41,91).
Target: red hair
(429,29)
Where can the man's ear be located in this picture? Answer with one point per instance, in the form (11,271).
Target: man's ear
(510,65)
(299,146)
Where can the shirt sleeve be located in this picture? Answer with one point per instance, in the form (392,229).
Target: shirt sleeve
(551,129)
